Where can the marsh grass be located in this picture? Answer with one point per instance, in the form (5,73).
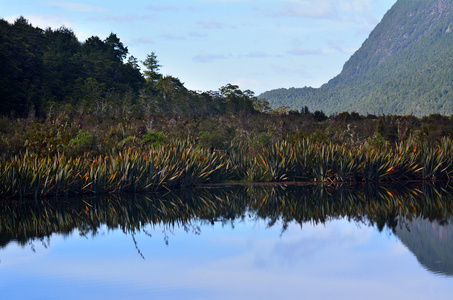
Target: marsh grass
(182,164)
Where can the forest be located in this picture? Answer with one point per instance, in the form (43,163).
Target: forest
(45,71)
(83,118)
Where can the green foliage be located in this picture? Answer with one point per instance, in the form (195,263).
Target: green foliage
(153,138)
(261,105)
(319,116)
(217,138)
(237,100)
(83,138)
(152,67)
(148,140)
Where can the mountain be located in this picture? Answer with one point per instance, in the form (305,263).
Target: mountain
(404,67)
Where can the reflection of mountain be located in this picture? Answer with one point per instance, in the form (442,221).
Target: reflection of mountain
(431,243)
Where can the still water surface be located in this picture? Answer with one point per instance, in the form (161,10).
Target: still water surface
(231,245)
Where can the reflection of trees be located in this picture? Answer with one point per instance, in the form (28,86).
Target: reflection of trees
(383,206)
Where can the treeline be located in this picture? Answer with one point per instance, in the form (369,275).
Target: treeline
(48,71)
(76,133)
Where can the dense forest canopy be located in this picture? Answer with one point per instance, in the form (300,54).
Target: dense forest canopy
(45,70)
(405,67)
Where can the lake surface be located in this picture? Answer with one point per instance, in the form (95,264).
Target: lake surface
(313,242)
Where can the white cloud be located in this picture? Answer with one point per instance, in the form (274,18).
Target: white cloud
(162,7)
(142,40)
(172,37)
(349,50)
(286,70)
(304,51)
(255,85)
(197,34)
(77,7)
(122,18)
(354,5)
(355,10)
(114,18)
(301,51)
(208,57)
(228,1)
(257,54)
(211,24)
(246,83)
(306,9)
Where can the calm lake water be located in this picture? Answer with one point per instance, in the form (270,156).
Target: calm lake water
(236,243)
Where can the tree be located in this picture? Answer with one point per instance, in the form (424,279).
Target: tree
(261,105)
(61,62)
(115,47)
(237,100)
(168,86)
(132,62)
(21,66)
(152,67)
(40,68)
(62,39)
(319,116)
(93,44)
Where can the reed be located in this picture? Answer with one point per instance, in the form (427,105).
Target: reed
(182,164)
(177,165)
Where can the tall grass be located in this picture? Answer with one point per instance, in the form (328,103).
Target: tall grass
(182,164)
(178,165)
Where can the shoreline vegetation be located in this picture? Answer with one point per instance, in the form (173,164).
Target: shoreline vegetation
(57,157)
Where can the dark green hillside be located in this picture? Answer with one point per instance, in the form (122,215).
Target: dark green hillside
(404,67)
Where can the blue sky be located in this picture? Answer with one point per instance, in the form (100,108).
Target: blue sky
(256,44)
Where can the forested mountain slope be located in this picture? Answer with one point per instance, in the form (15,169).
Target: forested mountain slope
(404,67)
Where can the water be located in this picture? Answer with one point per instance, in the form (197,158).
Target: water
(244,243)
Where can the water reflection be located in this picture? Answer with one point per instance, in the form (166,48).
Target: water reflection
(420,215)
(431,243)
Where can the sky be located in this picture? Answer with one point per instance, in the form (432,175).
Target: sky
(256,44)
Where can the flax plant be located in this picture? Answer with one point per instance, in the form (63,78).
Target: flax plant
(182,164)
(177,165)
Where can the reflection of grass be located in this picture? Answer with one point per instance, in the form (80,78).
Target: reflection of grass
(182,164)
(370,204)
